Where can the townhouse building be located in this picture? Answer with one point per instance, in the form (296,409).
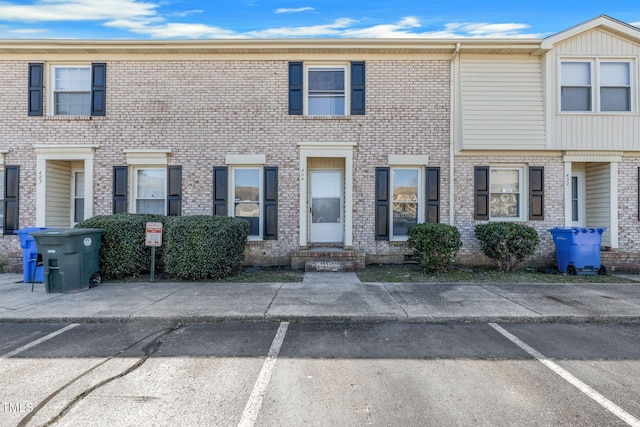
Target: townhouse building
(330,148)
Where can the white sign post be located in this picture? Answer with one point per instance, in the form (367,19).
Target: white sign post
(153,238)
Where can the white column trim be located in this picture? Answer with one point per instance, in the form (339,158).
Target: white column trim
(568,220)
(613,191)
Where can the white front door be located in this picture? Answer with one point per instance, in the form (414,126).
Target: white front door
(326,210)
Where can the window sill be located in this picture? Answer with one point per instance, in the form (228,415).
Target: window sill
(327,117)
(69,118)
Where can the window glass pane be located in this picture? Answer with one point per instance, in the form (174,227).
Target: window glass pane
(505,181)
(326,105)
(73,79)
(614,74)
(151,183)
(405,200)
(150,206)
(576,99)
(615,99)
(325,210)
(326,79)
(576,74)
(246,193)
(78,209)
(79,184)
(505,193)
(73,104)
(247,185)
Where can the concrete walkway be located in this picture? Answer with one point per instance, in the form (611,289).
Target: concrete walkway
(323,297)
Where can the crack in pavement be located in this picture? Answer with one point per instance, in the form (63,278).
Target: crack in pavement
(148,349)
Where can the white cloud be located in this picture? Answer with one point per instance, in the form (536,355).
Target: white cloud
(75,10)
(635,24)
(144,17)
(293,10)
(157,29)
(334,29)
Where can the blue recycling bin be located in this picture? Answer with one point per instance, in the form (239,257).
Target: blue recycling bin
(578,249)
(31,272)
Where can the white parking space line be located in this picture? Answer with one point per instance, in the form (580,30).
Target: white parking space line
(600,399)
(252,408)
(38,341)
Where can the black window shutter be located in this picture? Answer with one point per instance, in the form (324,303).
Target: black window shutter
(358,88)
(270,231)
(481,205)
(382,203)
(433,194)
(120,184)
(11,199)
(536,193)
(296,72)
(36,78)
(220,190)
(98,89)
(174,190)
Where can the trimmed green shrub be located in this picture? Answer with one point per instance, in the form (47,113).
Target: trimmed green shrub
(123,252)
(205,247)
(507,243)
(434,245)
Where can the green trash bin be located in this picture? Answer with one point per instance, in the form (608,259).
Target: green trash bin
(70,258)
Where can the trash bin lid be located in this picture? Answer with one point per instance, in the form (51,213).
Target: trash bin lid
(68,232)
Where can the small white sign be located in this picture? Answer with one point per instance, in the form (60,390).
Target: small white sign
(87,241)
(154,234)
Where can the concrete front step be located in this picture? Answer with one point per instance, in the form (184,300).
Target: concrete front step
(327,259)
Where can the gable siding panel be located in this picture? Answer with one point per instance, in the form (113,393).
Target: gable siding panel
(502,101)
(594,131)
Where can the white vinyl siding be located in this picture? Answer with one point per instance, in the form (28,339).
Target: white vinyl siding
(502,103)
(58,199)
(594,131)
(598,198)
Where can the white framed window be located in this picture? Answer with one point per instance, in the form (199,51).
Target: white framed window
(506,193)
(77,194)
(150,188)
(406,195)
(71,90)
(247,198)
(326,90)
(596,85)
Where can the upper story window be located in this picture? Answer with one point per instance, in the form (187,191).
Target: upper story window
(326,94)
(325,89)
(72,91)
(595,86)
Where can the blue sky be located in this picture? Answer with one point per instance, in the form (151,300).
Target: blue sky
(180,19)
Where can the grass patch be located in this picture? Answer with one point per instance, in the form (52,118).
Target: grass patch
(397,273)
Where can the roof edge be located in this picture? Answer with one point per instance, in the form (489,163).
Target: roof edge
(599,21)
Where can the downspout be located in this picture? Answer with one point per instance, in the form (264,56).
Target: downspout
(455,62)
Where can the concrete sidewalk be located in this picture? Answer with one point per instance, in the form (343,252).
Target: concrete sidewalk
(323,297)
